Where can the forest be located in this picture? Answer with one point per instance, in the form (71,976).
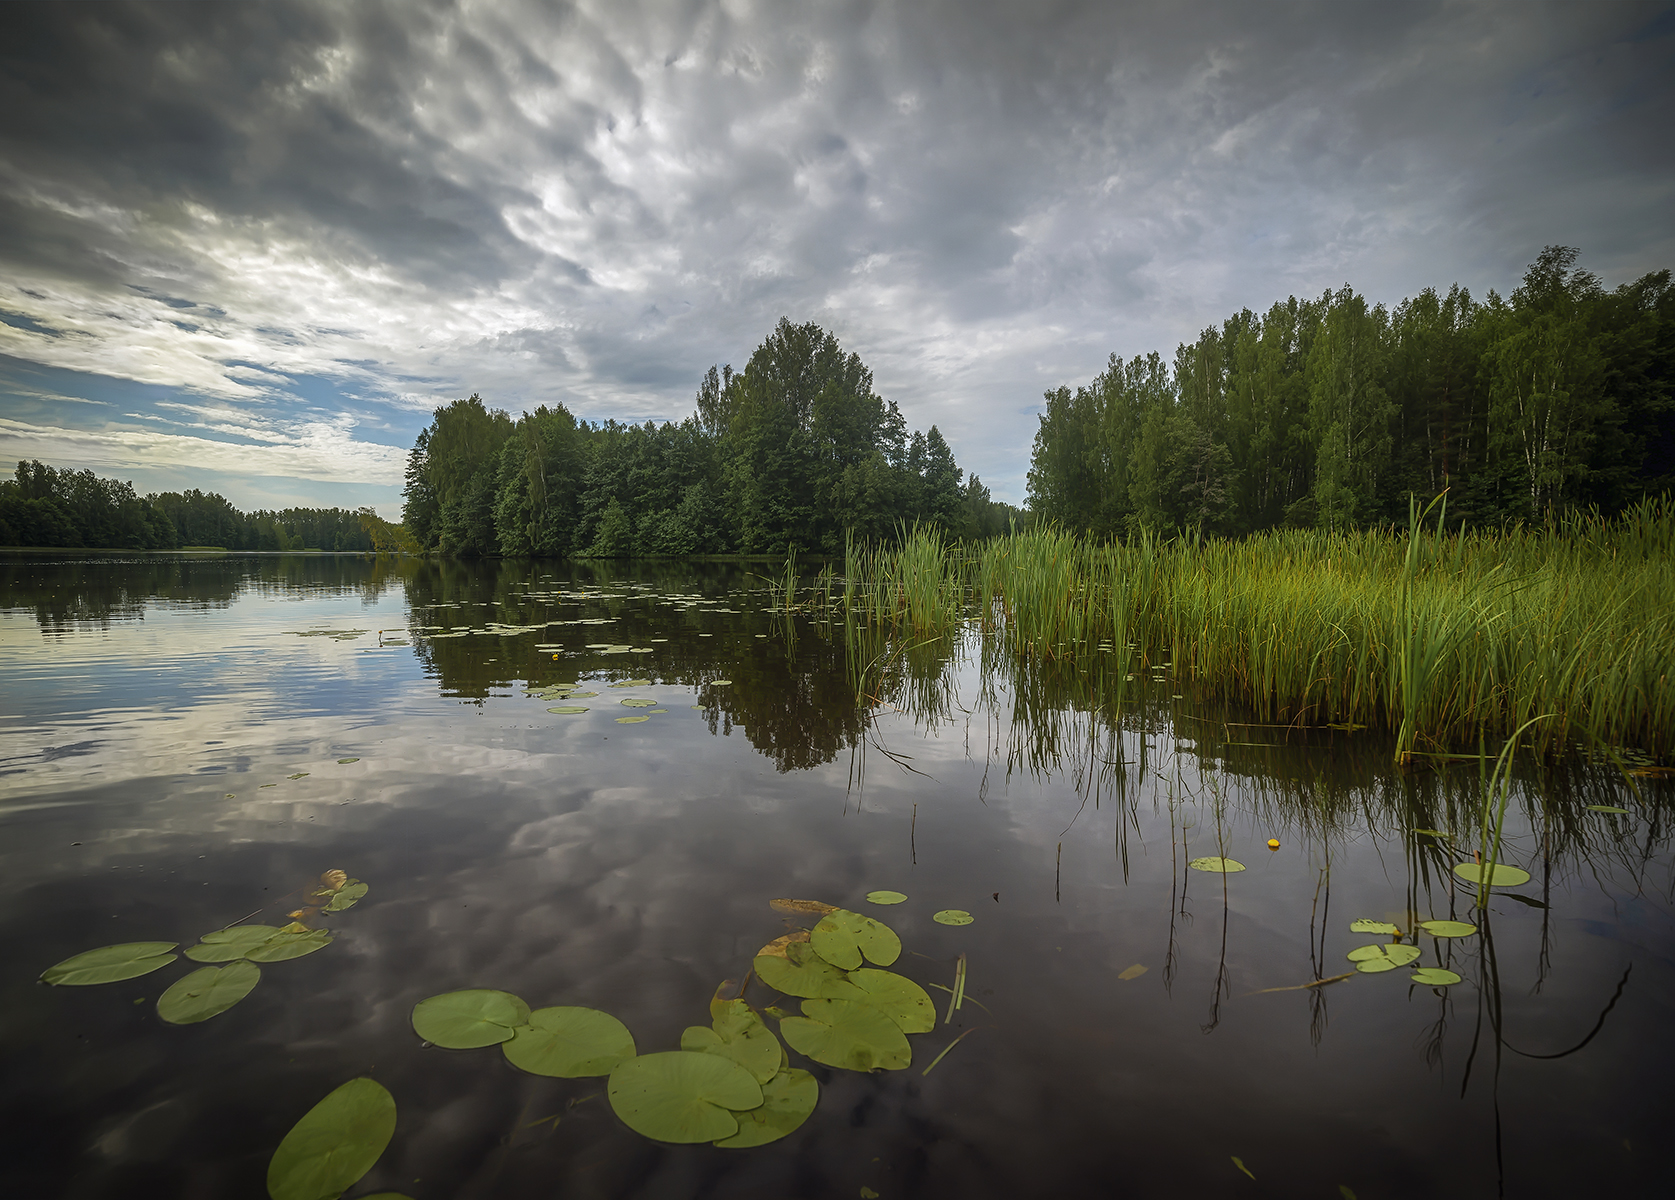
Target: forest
(1330,413)
(793,453)
(46,506)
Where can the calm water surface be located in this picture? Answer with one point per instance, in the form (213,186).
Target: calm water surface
(171,731)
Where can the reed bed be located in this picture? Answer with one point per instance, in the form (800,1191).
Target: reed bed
(1439,637)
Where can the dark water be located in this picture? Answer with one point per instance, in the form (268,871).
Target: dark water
(149,705)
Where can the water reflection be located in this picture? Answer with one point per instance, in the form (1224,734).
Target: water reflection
(175,748)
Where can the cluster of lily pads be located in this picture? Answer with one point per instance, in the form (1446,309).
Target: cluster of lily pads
(569,691)
(210,991)
(731,1082)
(1387,956)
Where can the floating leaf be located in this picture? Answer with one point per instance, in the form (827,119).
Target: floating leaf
(885,897)
(1529,900)
(1382,958)
(812,907)
(1133,972)
(107,964)
(569,709)
(1368,925)
(631,720)
(1607,808)
(570,1043)
(288,944)
(897,997)
(1436,833)
(1224,866)
(847,1034)
(635,702)
(348,895)
(787,1100)
(468,1019)
(334,879)
(1448,929)
(953,916)
(720,683)
(790,965)
(1502,876)
(1239,1162)
(348,760)
(224,945)
(738,1034)
(632,683)
(334,1144)
(1435,976)
(207,992)
(843,937)
(681,1096)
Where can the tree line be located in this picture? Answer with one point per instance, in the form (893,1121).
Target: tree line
(795,452)
(45,506)
(1331,412)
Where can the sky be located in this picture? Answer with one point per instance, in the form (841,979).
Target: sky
(250,247)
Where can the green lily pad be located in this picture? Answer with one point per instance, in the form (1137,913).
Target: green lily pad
(635,702)
(1502,876)
(790,965)
(468,1019)
(632,683)
(569,709)
(569,1043)
(897,997)
(207,992)
(1367,925)
(224,945)
(347,760)
(843,937)
(1224,866)
(631,720)
(1436,833)
(1607,808)
(582,695)
(885,897)
(347,895)
(298,775)
(847,1034)
(289,943)
(953,916)
(787,1100)
(107,964)
(334,1144)
(1448,929)
(681,1096)
(736,1033)
(1385,957)
(1435,976)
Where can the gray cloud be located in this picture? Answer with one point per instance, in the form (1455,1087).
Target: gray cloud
(591,203)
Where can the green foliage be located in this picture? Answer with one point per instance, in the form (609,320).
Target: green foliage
(334,1144)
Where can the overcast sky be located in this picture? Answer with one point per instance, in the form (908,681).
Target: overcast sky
(249,247)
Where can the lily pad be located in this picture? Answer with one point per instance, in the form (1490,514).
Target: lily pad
(953,916)
(1224,866)
(1502,876)
(847,1034)
(842,938)
(334,1144)
(1607,808)
(1367,925)
(289,943)
(897,997)
(107,964)
(1385,957)
(468,1019)
(885,897)
(569,709)
(224,945)
(347,760)
(1435,976)
(569,1043)
(634,702)
(681,1096)
(720,682)
(347,895)
(736,1033)
(785,904)
(207,992)
(790,965)
(787,1100)
(1448,929)
(631,720)
(632,683)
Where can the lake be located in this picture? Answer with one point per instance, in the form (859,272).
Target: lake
(188,742)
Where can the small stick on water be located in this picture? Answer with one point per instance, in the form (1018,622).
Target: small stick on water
(243,919)
(947,1048)
(913,835)
(957,996)
(1303,987)
(1057,863)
